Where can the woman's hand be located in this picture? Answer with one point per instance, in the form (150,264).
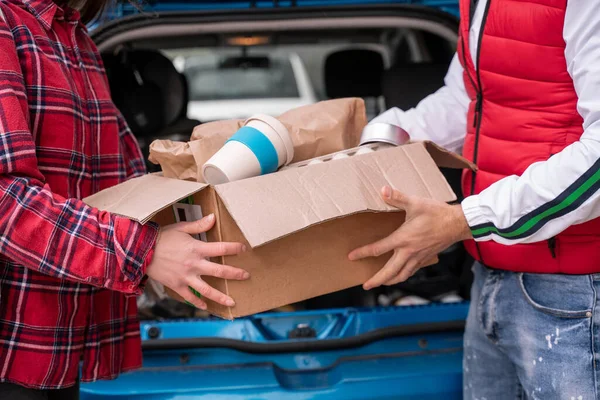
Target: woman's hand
(430,227)
(180,261)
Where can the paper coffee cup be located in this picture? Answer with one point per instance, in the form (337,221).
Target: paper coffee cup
(277,133)
(260,147)
(233,162)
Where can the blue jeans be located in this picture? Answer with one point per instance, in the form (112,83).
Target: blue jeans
(532,336)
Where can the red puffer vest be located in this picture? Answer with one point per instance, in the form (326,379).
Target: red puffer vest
(523,110)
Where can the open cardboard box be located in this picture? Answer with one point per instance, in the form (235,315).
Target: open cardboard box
(300,223)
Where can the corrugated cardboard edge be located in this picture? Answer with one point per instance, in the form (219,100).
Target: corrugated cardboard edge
(140,188)
(218,226)
(149,218)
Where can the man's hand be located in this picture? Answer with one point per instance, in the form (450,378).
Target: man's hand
(180,261)
(430,227)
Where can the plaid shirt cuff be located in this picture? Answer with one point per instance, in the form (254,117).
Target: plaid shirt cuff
(136,257)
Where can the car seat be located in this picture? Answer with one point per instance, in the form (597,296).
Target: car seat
(151,94)
(355,73)
(404,85)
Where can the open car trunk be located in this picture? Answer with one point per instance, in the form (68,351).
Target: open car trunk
(350,344)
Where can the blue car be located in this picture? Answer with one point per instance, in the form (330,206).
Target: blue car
(177,64)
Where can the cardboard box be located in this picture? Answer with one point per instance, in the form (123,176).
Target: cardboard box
(299,223)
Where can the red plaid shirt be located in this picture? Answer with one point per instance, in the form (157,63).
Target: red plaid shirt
(68,273)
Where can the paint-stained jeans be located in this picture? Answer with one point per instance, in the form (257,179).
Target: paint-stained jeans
(532,336)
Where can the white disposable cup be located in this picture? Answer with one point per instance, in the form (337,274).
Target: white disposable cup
(340,156)
(277,133)
(235,161)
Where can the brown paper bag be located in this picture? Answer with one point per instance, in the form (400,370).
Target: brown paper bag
(184,160)
(175,159)
(315,129)
(325,127)
(216,133)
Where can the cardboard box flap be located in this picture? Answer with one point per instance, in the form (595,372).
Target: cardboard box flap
(446,159)
(270,207)
(141,198)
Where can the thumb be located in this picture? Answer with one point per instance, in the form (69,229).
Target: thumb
(394,198)
(195,227)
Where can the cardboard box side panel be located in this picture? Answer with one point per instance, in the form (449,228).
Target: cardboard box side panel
(430,175)
(205,200)
(213,202)
(309,263)
(269,207)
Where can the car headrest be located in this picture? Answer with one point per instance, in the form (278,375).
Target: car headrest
(404,85)
(147,88)
(353,73)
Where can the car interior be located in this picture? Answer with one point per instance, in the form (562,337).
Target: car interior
(388,67)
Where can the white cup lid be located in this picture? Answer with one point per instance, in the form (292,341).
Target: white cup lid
(281,130)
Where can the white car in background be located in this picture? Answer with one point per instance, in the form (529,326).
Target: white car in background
(238,87)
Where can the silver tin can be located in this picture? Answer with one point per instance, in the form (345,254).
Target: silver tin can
(386,133)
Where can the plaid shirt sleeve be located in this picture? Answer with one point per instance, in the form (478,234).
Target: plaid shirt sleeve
(51,234)
(134,160)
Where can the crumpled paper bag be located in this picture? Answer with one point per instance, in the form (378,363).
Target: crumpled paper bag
(184,160)
(316,130)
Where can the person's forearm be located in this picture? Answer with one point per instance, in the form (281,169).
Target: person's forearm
(66,239)
(548,198)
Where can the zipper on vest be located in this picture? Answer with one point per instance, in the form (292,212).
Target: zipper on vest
(479,103)
(552,246)
(478,106)
(477,110)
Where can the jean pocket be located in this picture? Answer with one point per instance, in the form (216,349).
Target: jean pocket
(565,296)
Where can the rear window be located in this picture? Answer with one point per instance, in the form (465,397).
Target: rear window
(209,81)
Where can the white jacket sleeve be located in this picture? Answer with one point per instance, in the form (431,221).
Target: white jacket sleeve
(440,117)
(552,195)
